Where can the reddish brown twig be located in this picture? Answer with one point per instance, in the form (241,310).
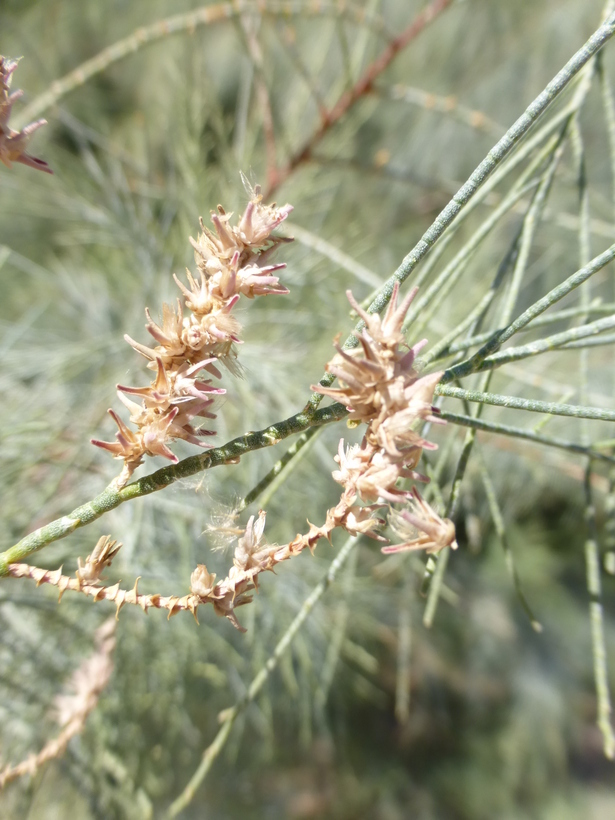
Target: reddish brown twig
(362,87)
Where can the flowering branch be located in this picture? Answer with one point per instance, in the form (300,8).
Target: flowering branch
(379,386)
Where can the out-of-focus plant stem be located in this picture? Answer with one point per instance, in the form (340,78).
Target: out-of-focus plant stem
(594,589)
(182,24)
(528,435)
(229,716)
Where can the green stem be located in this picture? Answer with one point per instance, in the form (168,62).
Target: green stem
(552,408)
(514,354)
(112,497)
(606,339)
(474,364)
(434,572)
(443,349)
(528,435)
(279,472)
(592,561)
(500,529)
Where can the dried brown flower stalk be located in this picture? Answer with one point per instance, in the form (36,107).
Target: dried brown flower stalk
(13,143)
(73,706)
(230,264)
(250,559)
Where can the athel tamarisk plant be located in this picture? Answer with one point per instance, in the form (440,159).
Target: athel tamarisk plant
(385,380)
(379,388)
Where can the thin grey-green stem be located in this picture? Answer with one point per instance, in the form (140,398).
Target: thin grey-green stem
(473,364)
(584,256)
(433,491)
(502,148)
(270,483)
(524,242)
(542,422)
(449,106)
(420,312)
(530,224)
(433,579)
(531,405)
(403,677)
(445,348)
(230,716)
(521,247)
(434,570)
(339,629)
(609,513)
(528,435)
(112,497)
(600,341)
(425,306)
(554,342)
(592,561)
(335,255)
(470,325)
(521,153)
(434,574)
(609,116)
(500,530)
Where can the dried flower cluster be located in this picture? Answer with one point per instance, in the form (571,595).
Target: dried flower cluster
(73,706)
(380,387)
(13,143)
(230,263)
(103,553)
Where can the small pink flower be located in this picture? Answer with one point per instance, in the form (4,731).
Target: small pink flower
(435,533)
(250,542)
(202,582)
(13,143)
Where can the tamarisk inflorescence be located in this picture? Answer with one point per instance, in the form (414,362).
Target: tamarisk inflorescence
(230,263)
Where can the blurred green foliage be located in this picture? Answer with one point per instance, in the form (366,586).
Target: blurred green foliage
(501,720)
